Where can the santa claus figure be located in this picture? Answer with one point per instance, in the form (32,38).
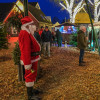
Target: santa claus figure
(30,54)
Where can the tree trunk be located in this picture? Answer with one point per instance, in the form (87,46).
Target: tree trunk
(71,16)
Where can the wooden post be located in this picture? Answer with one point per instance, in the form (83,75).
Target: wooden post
(21,72)
(25,7)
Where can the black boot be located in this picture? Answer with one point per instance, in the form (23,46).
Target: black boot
(36,91)
(31,96)
(81,64)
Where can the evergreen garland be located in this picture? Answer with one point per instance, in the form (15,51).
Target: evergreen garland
(16,54)
(15,21)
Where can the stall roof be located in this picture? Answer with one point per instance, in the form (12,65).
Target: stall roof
(66,24)
(56,24)
(95,24)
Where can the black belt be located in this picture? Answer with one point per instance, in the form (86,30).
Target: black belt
(35,53)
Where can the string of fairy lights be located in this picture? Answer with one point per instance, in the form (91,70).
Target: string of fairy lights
(69,7)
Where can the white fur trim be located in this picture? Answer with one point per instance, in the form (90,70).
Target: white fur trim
(27,24)
(23,27)
(29,84)
(27,67)
(32,61)
(21,62)
(32,29)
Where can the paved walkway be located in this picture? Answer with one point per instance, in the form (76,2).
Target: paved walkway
(12,41)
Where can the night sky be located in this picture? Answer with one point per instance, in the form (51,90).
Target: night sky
(49,8)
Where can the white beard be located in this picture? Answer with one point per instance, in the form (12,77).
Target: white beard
(32,28)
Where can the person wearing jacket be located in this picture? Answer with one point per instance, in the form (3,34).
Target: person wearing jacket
(30,49)
(37,36)
(46,39)
(41,30)
(59,38)
(82,43)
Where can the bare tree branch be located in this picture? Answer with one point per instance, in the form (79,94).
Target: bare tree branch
(67,3)
(90,2)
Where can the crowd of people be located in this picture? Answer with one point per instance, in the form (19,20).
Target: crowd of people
(32,40)
(47,38)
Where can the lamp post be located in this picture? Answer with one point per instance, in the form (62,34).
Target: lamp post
(92,44)
(25,7)
(21,70)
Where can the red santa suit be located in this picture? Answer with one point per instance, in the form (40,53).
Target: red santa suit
(28,46)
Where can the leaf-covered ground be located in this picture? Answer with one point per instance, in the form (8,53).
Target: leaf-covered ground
(61,77)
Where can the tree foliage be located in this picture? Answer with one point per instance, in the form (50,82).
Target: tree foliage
(3,37)
(73,39)
(16,54)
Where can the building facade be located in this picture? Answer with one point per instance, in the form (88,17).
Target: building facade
(34,12)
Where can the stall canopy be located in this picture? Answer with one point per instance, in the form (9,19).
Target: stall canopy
(56,24)
(95,24)
(66,24)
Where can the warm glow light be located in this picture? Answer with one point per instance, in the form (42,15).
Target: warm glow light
(20,5)
(15,9)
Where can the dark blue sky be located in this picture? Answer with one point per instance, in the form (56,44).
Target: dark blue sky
(49,8)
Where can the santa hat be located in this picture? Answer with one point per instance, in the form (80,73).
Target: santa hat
(26,21)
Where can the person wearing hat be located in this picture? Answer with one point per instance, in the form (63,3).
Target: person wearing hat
(30,49)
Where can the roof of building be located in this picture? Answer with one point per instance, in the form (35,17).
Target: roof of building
(82,20)
(5,9)
(38,14)
(33,3)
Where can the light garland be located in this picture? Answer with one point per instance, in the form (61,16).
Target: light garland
(96,13)
(90,2)
(69,7)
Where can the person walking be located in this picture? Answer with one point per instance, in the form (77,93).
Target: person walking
(30,49)
(59,38)
(46,39)
(82,43)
